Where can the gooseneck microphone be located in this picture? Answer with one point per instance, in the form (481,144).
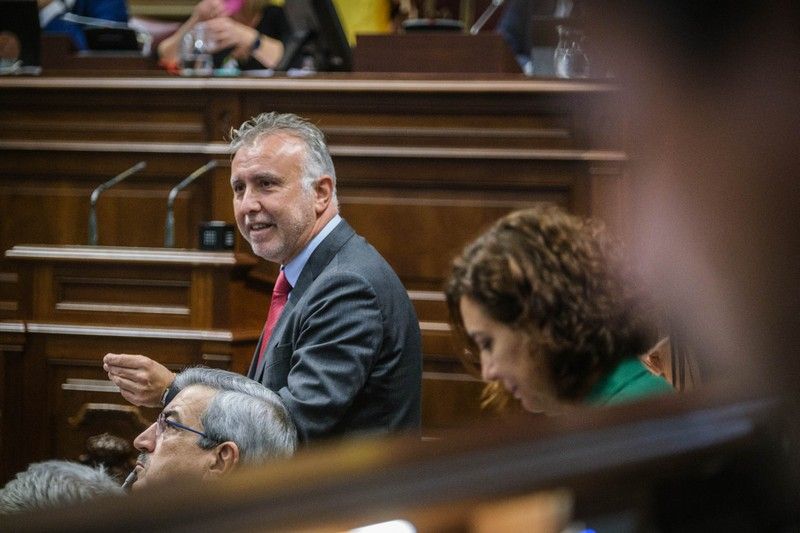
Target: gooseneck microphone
(130,480)
(96,22)
(96,195)
(485,16)
(169,230)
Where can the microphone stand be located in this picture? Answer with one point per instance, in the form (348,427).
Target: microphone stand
(485,16)
(96,195)
(97,23)
(169,231)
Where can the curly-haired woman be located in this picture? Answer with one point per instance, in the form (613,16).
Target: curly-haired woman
(542,301)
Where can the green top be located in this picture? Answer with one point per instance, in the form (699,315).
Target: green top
(629,381)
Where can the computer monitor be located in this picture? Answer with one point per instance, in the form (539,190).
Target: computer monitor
(19,31)
(112,39)
(316,34)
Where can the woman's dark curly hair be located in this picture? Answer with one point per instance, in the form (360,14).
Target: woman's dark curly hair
(561,279)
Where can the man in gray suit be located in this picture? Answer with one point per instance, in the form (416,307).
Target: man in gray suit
(345,353)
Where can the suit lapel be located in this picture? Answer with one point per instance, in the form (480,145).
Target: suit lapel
(319,259)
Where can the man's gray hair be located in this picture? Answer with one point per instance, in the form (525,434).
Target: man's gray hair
(243,411)
(55,483)
(317,161)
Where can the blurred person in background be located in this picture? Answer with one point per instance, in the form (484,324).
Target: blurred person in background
(245,34)
(52,11)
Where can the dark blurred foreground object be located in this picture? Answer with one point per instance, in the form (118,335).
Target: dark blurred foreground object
(713,113)
(713,110)
(691,463)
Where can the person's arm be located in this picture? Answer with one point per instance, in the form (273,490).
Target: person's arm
(141,380)
(245,41)
(340,338)
(267,51)
(169,49)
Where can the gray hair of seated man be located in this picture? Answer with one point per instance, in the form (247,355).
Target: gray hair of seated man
(55,483)
(245,412)
(318,160)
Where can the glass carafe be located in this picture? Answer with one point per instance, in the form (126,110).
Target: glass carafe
(196,58)
(569,58)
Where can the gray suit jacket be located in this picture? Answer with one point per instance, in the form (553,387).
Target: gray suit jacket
(345,355)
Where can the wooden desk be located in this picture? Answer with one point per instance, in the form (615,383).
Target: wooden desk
(80,302)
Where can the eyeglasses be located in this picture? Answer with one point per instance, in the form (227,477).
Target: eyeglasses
(162,422)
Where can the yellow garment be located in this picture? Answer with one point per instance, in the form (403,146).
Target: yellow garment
(364,16)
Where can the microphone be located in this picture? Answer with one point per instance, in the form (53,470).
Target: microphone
(97,23)
(485,16)
(169,231)
(96,194)
(130,480)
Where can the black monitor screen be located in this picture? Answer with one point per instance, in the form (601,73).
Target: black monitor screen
(317,35)
(19,31)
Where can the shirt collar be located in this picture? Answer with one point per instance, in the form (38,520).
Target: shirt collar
(293,268)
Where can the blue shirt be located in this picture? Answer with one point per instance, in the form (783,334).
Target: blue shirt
(293,268)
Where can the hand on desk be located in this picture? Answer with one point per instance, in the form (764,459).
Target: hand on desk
(225,33)
(141,380)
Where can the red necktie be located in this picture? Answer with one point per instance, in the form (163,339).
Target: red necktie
(280,294)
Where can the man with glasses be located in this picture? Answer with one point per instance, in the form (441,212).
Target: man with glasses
(216,421)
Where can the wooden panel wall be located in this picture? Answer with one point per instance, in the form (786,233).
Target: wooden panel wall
(68,394)
(79,302)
